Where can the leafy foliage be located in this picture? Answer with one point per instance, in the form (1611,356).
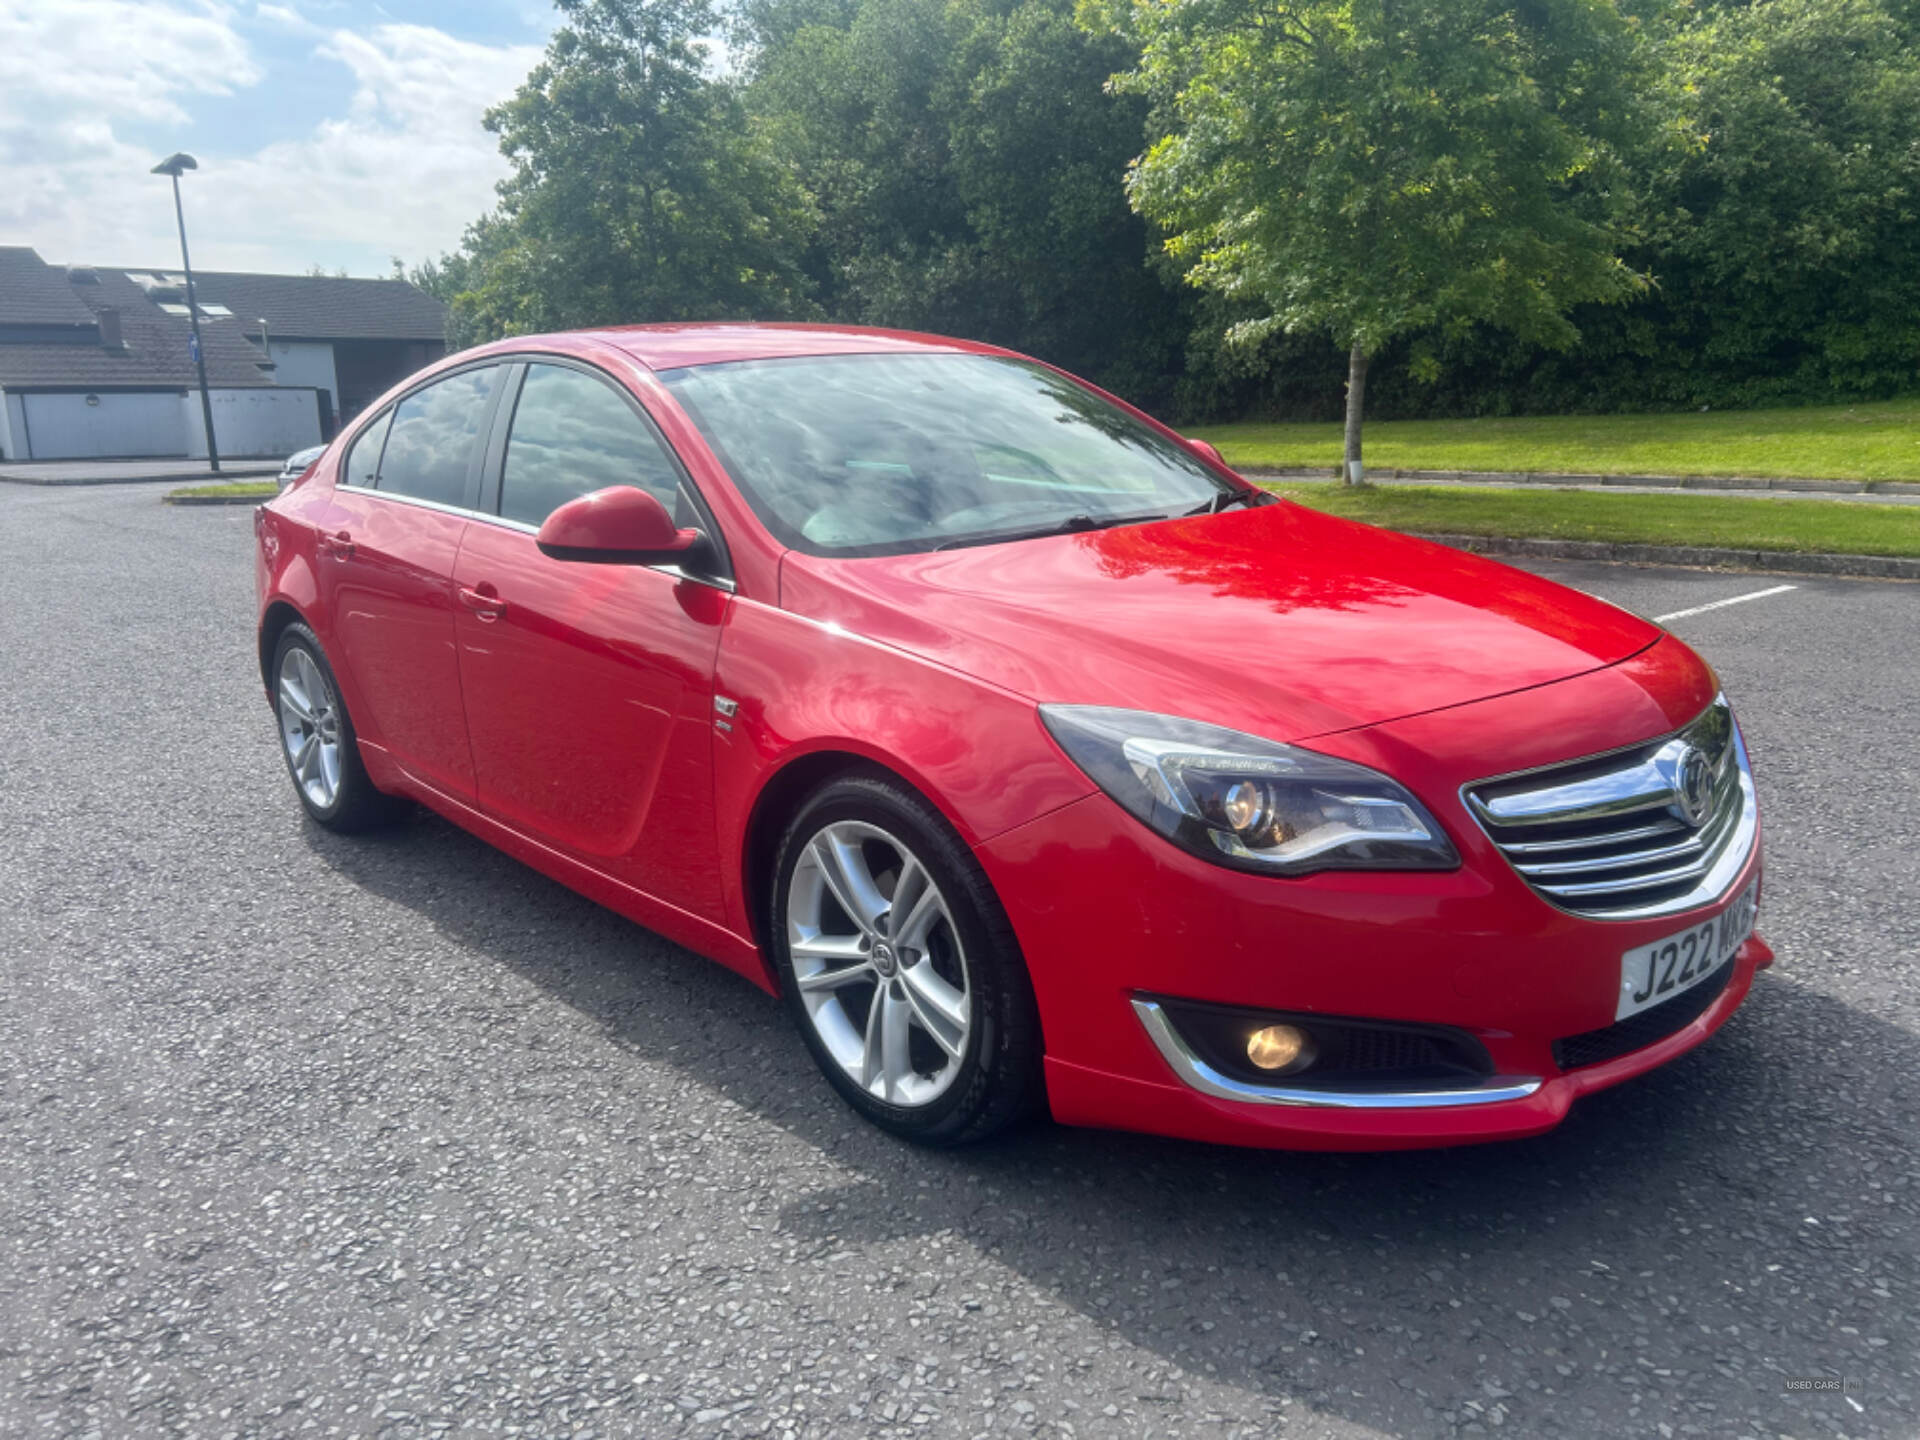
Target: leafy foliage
(1371,168)
(640,192)
(1777,214)
(965,161)
(1476,189)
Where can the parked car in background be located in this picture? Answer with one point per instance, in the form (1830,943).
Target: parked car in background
(1032,755)
(298,462)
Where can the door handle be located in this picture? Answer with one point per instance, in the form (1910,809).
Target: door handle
(484,602)
(339,545)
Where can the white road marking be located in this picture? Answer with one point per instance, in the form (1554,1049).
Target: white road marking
(1736,600)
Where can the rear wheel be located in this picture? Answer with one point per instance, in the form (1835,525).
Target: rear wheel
(900,966)
(317,740)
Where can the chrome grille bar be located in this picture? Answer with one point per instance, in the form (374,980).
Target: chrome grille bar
(1616,836)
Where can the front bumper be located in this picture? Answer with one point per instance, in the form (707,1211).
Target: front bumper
(1110,915)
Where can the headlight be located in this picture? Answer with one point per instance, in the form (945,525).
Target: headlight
(1249,803)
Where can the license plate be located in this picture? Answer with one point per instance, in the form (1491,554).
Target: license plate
(1653,973)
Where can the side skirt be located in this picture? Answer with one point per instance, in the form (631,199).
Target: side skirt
(699,935)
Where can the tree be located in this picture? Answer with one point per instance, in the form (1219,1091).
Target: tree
(1788,240)
(639,190)
(965,165)
(1377,168)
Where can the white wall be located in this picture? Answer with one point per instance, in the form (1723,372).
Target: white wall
(251,423)
(304,363)
(7,447)
(66,427)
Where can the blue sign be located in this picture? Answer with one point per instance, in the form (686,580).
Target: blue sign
(193,348)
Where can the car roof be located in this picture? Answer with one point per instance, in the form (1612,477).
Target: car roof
(669,347)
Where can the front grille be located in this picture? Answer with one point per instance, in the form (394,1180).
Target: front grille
(1650,830)
(1636,1032)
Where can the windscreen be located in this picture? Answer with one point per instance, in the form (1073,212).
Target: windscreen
(891,454)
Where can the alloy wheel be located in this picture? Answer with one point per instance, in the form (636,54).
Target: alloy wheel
(310,727)
(878,963)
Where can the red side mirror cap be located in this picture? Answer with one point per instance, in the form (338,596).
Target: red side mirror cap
(1208,450)
(621,525)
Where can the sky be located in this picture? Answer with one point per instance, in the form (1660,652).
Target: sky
(340,133)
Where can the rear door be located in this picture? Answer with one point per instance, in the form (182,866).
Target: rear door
(589,688)
(401,505)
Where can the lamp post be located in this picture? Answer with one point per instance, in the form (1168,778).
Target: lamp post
(172,166)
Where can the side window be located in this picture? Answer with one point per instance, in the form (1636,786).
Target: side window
(362,465)
(430,444)
(572,435)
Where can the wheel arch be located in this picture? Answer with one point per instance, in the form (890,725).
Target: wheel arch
(274,620)
(784,792)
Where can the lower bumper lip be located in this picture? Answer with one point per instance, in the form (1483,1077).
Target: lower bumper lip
(1203,1077)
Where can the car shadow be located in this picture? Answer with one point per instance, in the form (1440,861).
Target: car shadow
(1667,1256)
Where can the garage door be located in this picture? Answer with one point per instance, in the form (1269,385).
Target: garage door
(66,427)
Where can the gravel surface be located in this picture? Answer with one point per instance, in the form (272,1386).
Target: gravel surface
(306,1135)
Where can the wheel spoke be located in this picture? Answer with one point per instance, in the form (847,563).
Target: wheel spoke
(830,948)
(845,871)
(871,1068)
(910,889)
(832,978)
(911,930)
(940,1009)
(895,1059)
(293,699)
(330,769)
(311,685)
(303,759)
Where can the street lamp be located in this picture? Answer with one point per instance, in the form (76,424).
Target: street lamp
(173,165)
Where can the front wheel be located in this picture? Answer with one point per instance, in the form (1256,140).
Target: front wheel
(317,741)
(900,966)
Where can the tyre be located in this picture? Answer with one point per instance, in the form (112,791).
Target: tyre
(317,740)
(900,966)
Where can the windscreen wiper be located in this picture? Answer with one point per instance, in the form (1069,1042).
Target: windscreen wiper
(1072,525)
(1228,499)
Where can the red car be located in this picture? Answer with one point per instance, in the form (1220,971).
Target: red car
(1031,754)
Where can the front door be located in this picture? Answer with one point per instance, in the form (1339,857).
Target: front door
(589,688)
(386,565)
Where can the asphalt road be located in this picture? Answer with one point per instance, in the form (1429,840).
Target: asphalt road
(306,1135)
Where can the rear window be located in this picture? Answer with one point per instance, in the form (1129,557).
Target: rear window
(362,465)
(429,450)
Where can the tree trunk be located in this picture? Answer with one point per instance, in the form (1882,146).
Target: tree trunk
(1350,469)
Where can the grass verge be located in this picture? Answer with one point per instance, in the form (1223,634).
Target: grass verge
(1831,442)
(1804,526)
(237,489)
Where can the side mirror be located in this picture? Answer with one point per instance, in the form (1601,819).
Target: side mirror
(621,525)
(1207,450)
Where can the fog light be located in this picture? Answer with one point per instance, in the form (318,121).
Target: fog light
(1280,1047)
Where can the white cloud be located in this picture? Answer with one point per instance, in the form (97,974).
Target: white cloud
(287,18)
(400,169)
(116,58)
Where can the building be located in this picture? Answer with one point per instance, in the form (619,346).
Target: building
(96,362)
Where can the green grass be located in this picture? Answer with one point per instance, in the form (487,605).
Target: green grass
(1804,525)
(1833,442)
(236,488)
